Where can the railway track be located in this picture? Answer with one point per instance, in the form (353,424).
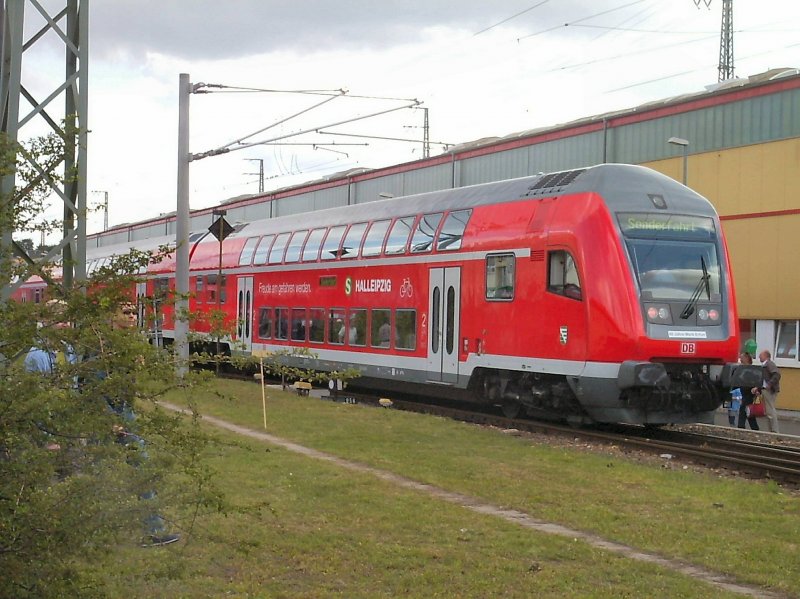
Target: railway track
(779,462)
(755,458)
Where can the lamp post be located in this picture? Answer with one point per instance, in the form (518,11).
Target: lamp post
(684,143)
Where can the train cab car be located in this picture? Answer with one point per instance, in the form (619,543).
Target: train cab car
(597,294)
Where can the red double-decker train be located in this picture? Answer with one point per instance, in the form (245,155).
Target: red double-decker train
(599,294)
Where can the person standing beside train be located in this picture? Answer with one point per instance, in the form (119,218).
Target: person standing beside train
(747,398)
(771,387)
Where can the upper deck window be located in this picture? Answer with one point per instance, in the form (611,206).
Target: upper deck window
(397,242)
(276,253)
(373,244)
(426,231)
(330,249)
(453,230)
(247,251)
(352,241)
(262,251)
(311,249)
(295,246)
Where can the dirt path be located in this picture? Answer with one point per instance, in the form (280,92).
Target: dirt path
(720,581)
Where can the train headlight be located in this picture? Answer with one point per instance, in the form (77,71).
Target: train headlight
(658,313)
(708,316)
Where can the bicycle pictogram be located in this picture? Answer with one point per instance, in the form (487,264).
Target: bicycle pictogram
(406,289)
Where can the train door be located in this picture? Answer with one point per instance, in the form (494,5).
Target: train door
(244,313)
(444,312)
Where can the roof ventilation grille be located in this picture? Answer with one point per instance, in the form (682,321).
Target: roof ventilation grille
(554,182)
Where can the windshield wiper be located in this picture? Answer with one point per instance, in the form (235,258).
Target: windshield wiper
(688,309)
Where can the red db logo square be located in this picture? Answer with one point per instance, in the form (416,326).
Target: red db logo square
(688,348)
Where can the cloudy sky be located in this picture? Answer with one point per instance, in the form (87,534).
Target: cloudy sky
(482,69)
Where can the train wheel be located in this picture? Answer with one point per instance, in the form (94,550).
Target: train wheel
(511,409)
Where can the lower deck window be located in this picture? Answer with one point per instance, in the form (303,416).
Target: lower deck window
(282,323)
(357,329)
(265,323)
(405,322)
(500,277)
(381,330)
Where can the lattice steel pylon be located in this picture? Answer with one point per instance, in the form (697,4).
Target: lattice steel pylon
(725,67)
(68,27)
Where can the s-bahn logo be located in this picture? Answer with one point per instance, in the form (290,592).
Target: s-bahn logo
(563,335)
(367,285)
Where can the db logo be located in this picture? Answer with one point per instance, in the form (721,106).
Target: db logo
(688,348)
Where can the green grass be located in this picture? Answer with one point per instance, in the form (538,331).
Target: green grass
(753,536)
(330,532)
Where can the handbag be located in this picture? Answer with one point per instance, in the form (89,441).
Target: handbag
(756,409)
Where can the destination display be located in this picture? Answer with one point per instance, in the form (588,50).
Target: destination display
(666,226)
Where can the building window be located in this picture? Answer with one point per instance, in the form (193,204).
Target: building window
(787,341)
(500,277)
(405,329)
(562,275)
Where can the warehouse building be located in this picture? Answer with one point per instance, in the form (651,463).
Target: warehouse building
(737,143)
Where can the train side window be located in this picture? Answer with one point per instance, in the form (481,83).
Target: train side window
(562,275)
(316,320)
(160,287)
(381,328)
(265,323)
(247,251)
(330,249)
(295,246)
(213,289)
(500,277)
(282,323)
(397,242)
(336,329)
(405,329)
(453,230)
(262,251)
(276,253)
(299,324)
(422,241)
(352,241)
(373,243)
(357,331)
(311,249)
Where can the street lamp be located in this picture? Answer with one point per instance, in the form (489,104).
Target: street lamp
(684,143)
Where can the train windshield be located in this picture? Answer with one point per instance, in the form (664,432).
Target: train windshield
(672,255)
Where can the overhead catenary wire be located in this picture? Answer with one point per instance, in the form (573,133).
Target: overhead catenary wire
(595,15)
(507,19)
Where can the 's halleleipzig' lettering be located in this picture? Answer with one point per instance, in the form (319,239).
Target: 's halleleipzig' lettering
(373,285)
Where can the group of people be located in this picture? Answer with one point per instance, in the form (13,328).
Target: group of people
(49,360)
(767,392)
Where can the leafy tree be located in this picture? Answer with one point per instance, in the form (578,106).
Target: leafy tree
(71,488)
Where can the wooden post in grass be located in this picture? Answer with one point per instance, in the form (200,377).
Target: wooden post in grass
(263,394)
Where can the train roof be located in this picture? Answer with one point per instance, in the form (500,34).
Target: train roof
(621,185)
